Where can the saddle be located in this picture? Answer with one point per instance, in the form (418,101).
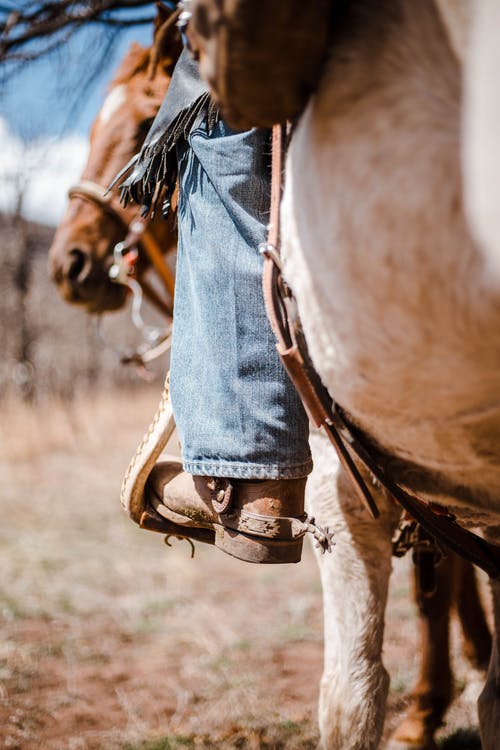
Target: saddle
(261,58)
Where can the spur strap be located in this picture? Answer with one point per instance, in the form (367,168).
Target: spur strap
(325,413)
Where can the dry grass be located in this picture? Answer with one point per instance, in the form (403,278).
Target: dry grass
(93,607)
(84,425)
(109,640)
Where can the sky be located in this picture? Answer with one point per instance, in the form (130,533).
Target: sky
(45,116)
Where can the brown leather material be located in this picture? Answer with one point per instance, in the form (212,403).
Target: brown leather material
(255,549)
(180,497)
(273,497)
(221,493)
(261,58)
(294,365)
(257,524)
(266,518)
(278,145)
(152,521)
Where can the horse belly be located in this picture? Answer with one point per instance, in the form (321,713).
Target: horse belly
(401,320)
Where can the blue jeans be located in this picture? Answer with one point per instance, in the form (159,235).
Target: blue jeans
(236,411)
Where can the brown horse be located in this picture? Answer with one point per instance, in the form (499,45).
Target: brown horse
(81,256)
(82,250)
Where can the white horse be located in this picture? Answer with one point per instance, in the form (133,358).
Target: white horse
(398,286)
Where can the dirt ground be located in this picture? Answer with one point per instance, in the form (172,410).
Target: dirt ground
(110,640)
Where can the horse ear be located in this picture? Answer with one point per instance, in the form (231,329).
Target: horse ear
(163,13)
(167,44)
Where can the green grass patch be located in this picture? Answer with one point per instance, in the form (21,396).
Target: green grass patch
(290,726)
(242,645)
(164,743)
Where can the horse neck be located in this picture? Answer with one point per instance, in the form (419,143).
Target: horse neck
(113,139)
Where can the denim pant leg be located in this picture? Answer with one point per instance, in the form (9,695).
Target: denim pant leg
(236,411)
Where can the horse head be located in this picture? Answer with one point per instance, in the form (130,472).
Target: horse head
(82,250)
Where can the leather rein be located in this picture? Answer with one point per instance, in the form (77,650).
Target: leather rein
(424,524)
(138,238)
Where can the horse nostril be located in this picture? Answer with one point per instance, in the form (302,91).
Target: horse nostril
(79,267)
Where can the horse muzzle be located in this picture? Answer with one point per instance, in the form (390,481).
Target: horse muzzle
(81,281)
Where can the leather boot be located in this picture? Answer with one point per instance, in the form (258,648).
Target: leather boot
(256,521)
(239,42)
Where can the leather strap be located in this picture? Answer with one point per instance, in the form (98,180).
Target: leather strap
(281,308)
(439,523)
(324,412)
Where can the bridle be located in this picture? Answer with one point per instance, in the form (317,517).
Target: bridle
(138,239)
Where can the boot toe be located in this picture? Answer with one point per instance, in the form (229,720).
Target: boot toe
(172,493)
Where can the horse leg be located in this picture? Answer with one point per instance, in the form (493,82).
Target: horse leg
(355,580)
(477,636)
(433,691)
(489,700)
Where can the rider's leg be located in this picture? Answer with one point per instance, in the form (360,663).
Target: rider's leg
(237,414)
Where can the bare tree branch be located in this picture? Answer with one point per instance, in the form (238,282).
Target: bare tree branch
(37,27)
